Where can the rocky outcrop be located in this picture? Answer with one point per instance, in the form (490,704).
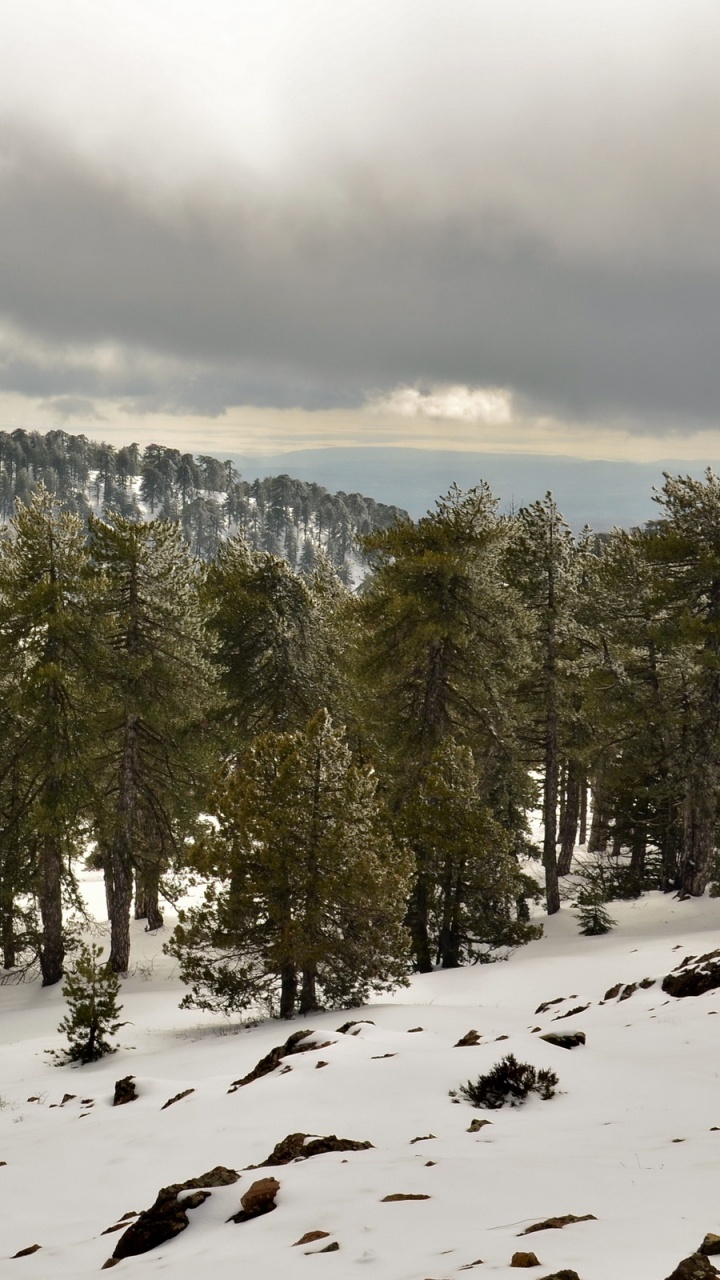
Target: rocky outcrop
(696,1267)
(296,1043)
(470,1039)
(167,1217)
(556,1224)
(301,1146)
(570,1040)
(125,1091)
(524,1260)
(694,976)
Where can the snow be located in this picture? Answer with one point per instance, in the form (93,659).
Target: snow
(628,1138)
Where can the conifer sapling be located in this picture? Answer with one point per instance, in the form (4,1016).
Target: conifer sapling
(91,990)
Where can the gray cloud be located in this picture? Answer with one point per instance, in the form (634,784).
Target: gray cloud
(549,227)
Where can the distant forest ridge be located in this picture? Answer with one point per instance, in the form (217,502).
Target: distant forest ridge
(206,496)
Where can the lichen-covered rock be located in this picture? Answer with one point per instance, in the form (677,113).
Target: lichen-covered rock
(258,1199)
(555,1224)
(301,1146)
(710,1245)
(469,1040)
(694,976)
(524,1260)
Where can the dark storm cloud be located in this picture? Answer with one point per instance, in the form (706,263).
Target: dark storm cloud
(206,302)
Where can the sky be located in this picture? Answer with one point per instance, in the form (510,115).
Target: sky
(267,225)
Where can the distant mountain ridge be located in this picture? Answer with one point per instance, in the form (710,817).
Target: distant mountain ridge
(293,518)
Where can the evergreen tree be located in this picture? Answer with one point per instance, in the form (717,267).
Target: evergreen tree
(48,654)
(152,699)
(308,891)
(440,650)
(91,991)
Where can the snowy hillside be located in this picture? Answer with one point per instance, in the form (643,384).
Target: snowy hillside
(631,1137)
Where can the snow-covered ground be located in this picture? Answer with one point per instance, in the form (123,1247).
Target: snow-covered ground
(630,1137)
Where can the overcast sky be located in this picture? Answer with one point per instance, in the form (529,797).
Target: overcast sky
(270,224)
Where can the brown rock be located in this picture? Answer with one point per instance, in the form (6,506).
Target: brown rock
(425,1138)
(167,1217)
(470,1039)
(710,1245)
(555,1224)
(696,1267)
(359,1022)
(125,1091)
(301,1146)
(413,1029)
(568,1040)
(177,1098)
(310,1236)
(524,1260)
(296,1043)
(329,1248)
(565,1274)
(399,1196)
(579,1008)
(548,1004)
(476,1125)
(25,1253)
(258,1199)
(694,976)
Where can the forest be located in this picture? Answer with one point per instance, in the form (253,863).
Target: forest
(343,781)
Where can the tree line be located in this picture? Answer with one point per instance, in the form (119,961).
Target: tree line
(349,779)
(207,497)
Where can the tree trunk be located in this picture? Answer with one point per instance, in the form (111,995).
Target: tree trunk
(147,896)
(288,990)
(7,922)
(417,920)
(569,823)
(308,990)
(52,950)
(600,823)
(699,832)
(582,834)
(448,938)
(118,868)
(550,789)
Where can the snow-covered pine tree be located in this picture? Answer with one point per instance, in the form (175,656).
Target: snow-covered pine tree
(308,891)
(152,696)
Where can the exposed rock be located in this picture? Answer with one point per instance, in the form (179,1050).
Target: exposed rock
(694,976)
(67,1097)
(413,1029)
(469,1265)
(359,1022)
(710,1245)
(25,1253)
(579,1008)
(125,1091)
(294,1044)
(613,992)
(258,1199)
(301,1146)
(310,1236)
(425,1138)
(400,1196)
(555,1224)
(377,1056)
(565,1274)
(167,1217)
(177,1098)
(476,1125)
(329,1248)
(468,1040)
(568,1040)
(696,1267)
(548,1004)
(524,1260)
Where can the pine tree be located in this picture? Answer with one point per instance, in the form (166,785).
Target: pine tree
(91,991)
(152,700)
(440,652)
(48,653)
(308,891)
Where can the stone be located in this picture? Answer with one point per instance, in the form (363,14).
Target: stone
(565,1274)
(570,1040)
(548,1004)
(177,1098)
(555,1224)
(329,1248)
(694,976)
(696,1267)
(579,1008)
(411,1030)
(470,1039)
(476,1125)
(296,1043)
(424,1138)
(25,1253)
(359,1022)
(125,1091)
(400,1196)
(524,1260)
(167,1217)
(258,1199)
(301,1146)
(710,1245)
(310,1236)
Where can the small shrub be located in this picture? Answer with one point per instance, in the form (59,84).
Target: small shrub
(509,1082)
(91,991)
